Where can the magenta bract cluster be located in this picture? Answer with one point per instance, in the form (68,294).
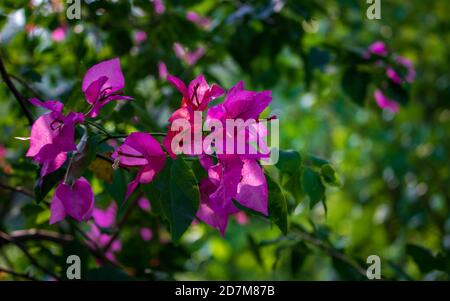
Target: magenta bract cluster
(230,177)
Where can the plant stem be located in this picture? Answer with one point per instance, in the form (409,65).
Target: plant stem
(20,99)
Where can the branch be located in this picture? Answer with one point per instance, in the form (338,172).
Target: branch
(18,189)
(6,238)
(26,85)
(38,234)
(122,222)
(15,92)
(330,251)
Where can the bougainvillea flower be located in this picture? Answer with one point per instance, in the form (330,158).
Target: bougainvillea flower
(410,72)
(159,6)
(146,233)
(162,70)
(102,84)
(393,75)
(196,97)
(189,57)
(384,102)
(210,213)
(143,151)
(240,103)
(245,105)
(378,48)
(105,218)
(197,94)
(232,178)
(59,34)
(52,136)
(241,218)
(144,204)
(101,240)
(203,22)
(140,36)
(76,201)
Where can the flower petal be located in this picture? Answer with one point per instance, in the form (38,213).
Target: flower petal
(252,191)
(78,200)
(178,84)
(105,218)
(52,165)
(57,211)
(109,69)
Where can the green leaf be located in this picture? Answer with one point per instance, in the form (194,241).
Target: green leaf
(423,258)
(254,248)
(290,166)
(398,93)
(329,175)
(313,186)
(299,252)
(179,195)
(118,188)
(289,161)
(354,84)
(83,157)
(43,185)
(277,205)
(316,161)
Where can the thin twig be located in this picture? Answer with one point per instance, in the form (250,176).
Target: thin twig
(15,92)
(4,237)
(105,158)
(39,234)
(26,85)
(18,189)
(122,222)
(330,251)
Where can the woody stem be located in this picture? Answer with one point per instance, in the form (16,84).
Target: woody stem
(15,92)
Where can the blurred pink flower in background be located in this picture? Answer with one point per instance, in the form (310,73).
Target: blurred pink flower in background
(3,164)
(241,218)
(384,102)
(162,69)
(392,74)
(140,36)
(190,58)
(144,204)
(378,48)
(104,218)
(159,6)
(2,152)
(146,234)
(59,34)
(203,22)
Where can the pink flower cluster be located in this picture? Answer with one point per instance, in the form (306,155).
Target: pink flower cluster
(53,138)
(398,70)
(230,177)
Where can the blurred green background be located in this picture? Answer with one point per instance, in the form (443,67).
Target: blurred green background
(394,169)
